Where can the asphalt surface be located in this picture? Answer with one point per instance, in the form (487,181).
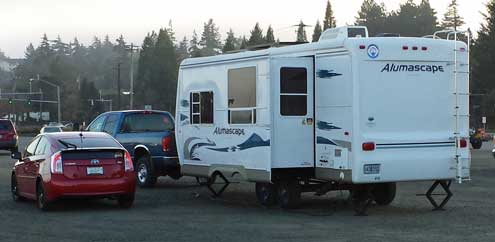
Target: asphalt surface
(183,211)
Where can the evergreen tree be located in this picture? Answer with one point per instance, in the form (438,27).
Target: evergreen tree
(244,43)
(194,49)
(405,20)
(183,50)
(329,20)
(44,49)
(373,16)
(483,53)
(317,32)
(427,19)
(301,33)
(256,36)
(270,37)
(230,42)
(164,80)
(210,39)
(451,19)
(30,52)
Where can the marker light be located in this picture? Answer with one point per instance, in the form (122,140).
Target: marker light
(368,146)
(424,48)
(362,47)
(415,48)
(462,143)
(405,47)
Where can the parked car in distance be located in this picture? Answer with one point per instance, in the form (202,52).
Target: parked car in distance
(8,136)
(150,139)
(73,164)
(51,129)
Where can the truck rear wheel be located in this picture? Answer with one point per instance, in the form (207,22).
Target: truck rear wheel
(384,193)
(144,173)
(289,194)
(266,193)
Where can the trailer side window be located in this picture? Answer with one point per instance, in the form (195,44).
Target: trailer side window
(293,91)
(242,95)
(201,107)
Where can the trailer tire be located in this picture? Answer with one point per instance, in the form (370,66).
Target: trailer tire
(384,193)
(289,195)
(266,193)
(144,173)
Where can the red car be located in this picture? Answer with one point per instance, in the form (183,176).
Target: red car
(73,164)
(8,135)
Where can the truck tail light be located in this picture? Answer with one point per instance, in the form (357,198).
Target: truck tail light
(462,143)
(128,162)
(56,163)
(369,146)
(167,143)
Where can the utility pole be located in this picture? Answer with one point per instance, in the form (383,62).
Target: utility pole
(131,48)
(118,85)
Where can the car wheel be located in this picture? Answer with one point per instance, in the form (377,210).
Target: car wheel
(14,190)
(144,173)
(384,193)
(289,195)
(266,193)
(41,201)
(126,201)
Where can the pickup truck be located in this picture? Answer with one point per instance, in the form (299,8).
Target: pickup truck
(149,138)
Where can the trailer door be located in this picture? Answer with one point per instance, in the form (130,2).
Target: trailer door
(293,116)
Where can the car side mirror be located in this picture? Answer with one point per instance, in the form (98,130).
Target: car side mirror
(16,155)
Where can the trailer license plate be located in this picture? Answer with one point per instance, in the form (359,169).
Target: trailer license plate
(372,169)
(94,170)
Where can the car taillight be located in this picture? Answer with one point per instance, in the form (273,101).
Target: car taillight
(128,162)
(368,146)
(166,143)
(56,163)
(462,143)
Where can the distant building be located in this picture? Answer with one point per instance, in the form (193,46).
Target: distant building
(9,64)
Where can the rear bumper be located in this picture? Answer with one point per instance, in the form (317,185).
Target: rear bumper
(59,187)
(8,145)
(162,163)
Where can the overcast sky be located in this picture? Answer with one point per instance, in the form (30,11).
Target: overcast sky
(25,21)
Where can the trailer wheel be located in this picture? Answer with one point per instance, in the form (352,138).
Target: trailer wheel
(266,193)
(289,195)
(384,193)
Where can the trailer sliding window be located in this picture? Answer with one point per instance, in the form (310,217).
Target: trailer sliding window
(242,95)
(293,91)
(201,107)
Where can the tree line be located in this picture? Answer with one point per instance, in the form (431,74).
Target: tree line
(83,71)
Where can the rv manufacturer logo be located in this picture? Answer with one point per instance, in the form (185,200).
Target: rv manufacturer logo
(412,68)
(231,131)
(373,51)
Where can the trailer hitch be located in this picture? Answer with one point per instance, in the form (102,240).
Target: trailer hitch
(445,184)
(212,181)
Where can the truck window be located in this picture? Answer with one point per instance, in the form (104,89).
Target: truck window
(110,123)
(146,122)
(97,125)
(201,107)
(242,95)
(293,91)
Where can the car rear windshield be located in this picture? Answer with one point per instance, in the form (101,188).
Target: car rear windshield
(51,129)
(147,122)
(5,125)
(88,143)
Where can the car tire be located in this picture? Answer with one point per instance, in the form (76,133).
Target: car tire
(266,193)
(126,201)
(145,175)
(289,195)
(384,193)
(41,201)
(14,191)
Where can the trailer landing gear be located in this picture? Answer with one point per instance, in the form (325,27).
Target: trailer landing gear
(212,181)
(361,197)
(429,194)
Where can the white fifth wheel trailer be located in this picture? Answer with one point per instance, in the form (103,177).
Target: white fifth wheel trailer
(348,112)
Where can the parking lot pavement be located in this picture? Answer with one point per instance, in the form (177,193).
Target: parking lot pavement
(183,211)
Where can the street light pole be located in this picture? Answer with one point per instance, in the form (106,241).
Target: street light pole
(59,110)
(131,105)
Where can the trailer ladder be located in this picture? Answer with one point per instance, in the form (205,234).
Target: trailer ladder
(457,115)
